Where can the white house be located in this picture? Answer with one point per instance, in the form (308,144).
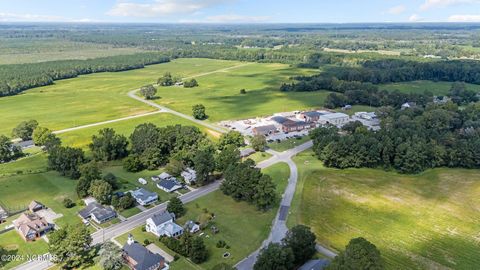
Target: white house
(336,119)
(189,175)
(162,224)
(142,181)
(144,197)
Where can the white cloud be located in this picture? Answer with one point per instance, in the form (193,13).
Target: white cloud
(429,4)
(396,10)
(161,7)
(464,18)
(415,18)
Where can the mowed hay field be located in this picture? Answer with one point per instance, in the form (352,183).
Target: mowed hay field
(436,88)
(95,97)
(220,93)
(426,221)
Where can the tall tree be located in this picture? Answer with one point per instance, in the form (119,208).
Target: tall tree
(302,242)
(108,145)
(110,256)
(70,246)
(198,251)
(198,112)
(148,91)
(274,257)
(228,156)
(24,130)
(8,151)
(265,196)
(259,142)
(204,164)
(359,254)
(166,80)
(101,191)
(66,160)
(234,138)
(175,205)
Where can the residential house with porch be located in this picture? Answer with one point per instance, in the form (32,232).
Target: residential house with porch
(98,213)
(144,197)
(31,226)
(163,224)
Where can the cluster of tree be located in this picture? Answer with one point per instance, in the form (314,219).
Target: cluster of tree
(70,247)
(198,112)
(189,246)
(44,137)
(190,83)
(296,248)
(108,145)
(19,77)
(359,254)
(8,151)
(168,80)
(245,182)
(110,256)
(410,141)
(356,93)
(460,95)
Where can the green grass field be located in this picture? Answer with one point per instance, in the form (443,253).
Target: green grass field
(15,245)
(288,144)
(240,224)
(220,93)
(426,221)
(18,51)
(95,97)
(437,88)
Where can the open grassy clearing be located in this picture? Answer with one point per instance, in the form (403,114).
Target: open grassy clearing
(18,51)
(95,97)
(220,93)
(240,224)
(426,221)
(288,143)
(437,88)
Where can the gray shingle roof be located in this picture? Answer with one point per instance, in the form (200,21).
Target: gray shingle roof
(168,183)
(145,258)
(143,194)
(99,211)
(280,119)
(163,217)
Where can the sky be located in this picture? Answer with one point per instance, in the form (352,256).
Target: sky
(240,11)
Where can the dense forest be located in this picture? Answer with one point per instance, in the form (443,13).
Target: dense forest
(410,140)
(20,77)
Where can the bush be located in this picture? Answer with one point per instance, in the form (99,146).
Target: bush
(133,164)
(146,242)
(243,91)
(68,203)
(144,229)
(221,244)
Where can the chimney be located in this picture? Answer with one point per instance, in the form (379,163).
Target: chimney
(130,239)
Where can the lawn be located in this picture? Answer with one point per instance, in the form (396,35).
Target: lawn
(259,157)
(240,225)
(220,93)
(437,88)
(15,244)
(288,143)
(27,165)
(95,97)
(83,137)
(425,221)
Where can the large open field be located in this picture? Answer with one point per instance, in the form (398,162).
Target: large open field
(220,93)
(437,88)
(18,51)
(426,221)
(93,98)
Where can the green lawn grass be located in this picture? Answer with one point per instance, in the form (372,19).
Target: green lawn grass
(220,93)
(425,221)
(27,165)
(95,97)
(437,88)
(242,226)
(130,212)
(15,244)
(259,157)
(288,144)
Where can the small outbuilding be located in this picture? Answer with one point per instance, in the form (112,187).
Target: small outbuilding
(35,206)
(142,181)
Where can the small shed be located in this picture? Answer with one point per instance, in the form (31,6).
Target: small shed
(35,206)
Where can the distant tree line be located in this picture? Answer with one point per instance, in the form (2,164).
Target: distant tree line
(410,140)
(19,77)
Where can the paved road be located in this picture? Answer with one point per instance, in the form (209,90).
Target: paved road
(279,227)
